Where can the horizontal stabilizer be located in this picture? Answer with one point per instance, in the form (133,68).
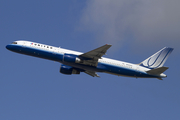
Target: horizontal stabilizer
(159,78)
(157,71)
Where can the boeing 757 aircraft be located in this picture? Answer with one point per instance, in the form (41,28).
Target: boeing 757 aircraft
(92,62)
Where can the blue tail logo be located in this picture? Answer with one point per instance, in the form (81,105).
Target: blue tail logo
(158,59)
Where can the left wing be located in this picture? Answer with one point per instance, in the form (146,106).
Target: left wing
(91,57)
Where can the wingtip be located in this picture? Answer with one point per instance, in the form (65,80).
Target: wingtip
(109,44)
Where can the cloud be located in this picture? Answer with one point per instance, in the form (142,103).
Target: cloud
(140,23)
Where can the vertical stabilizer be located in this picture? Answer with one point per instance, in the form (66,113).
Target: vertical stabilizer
(158,59)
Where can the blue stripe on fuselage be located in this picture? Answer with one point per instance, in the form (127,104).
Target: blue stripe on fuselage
(109,68)
(121,70)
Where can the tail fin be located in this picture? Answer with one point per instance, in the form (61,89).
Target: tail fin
(158,59)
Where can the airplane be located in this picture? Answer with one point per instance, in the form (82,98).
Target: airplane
(91,62)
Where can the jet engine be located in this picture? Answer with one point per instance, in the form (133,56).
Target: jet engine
(71,58)
(68,70)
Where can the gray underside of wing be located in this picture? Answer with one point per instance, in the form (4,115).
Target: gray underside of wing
(92,73)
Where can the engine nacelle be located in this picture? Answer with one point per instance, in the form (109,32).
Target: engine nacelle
(71,58)
(68,70)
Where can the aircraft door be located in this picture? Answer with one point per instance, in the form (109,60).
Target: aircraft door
(137,71)
(54,51)
(24,44)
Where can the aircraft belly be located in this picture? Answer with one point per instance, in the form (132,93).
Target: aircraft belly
(83,67)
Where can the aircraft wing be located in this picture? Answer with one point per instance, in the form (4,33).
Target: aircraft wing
(92,73)
(97,53)
(93,55)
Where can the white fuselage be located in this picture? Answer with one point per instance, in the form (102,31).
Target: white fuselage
(106,65)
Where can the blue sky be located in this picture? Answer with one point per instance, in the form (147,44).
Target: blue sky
(33,88)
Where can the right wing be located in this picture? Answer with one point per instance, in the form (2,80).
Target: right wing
(97,53)
(91,57)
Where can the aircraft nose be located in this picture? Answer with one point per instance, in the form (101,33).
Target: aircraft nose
(8,47)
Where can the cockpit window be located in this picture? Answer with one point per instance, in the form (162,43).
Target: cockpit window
(14,43)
